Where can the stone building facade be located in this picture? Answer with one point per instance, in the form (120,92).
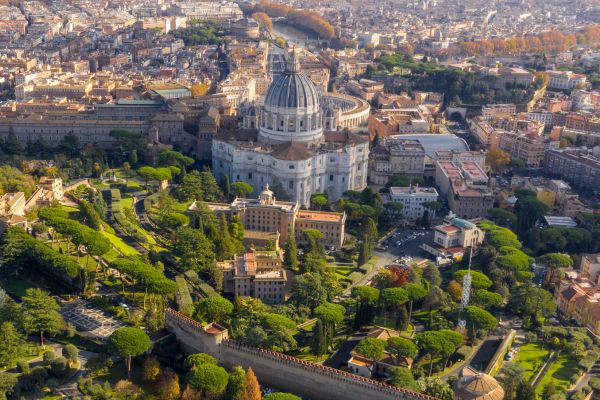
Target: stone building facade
(292,147)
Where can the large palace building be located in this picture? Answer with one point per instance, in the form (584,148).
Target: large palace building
(266,214)
(291,142)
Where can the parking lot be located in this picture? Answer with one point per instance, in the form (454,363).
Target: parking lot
(89,319)
(404,245)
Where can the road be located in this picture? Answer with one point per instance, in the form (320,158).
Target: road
(69,388)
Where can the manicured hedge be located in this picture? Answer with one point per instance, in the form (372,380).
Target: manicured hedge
(184,298)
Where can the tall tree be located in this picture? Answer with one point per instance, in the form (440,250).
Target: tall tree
(225,249)
(241,189)
(167,385)
(235,384)
(11,343)
(431,274)
(129,342)
(210,379)
(214,309)
(371,348)
(290,255)
(40,313)
(319,345)
(401,377)
(365,297)
(251,389)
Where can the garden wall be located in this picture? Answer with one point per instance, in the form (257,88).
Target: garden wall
(282,371)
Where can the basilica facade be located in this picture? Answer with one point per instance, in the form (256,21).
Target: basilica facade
(293,142)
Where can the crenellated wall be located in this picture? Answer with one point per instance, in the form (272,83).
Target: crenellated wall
(280,370)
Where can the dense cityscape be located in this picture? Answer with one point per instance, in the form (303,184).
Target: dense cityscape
(300,200)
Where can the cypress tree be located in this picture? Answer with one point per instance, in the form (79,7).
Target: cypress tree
(290,258)
(320,339)
(363,252)
(225,246)
(402,320)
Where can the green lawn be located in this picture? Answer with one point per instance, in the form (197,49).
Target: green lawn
(126,203)
(17,286)
(559,372)
(306,355)
(343,271)
(120,244)
(531,357)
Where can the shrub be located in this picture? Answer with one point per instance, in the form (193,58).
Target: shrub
(48,356)
(23,366)
(59,367)
(70,352)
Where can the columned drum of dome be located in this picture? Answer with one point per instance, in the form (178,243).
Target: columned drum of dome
(292,109)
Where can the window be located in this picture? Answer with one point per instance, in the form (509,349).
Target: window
(250,175)
(291,184)
(291,166)
(330,178)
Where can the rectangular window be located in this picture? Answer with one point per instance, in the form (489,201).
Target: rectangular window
(291,184)
(292,166)
(330,178)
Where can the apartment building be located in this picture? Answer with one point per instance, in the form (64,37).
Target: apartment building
(578,294)
(565,80)
(52,185)
(398,122)
(529,148)
(258,274)
(412,199)
(580,167)
(465,185)
(395,156)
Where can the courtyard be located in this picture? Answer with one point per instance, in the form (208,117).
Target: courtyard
(90,319)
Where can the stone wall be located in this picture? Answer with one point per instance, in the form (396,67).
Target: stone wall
(282,371)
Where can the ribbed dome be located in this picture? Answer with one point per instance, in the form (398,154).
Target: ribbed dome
(292,89)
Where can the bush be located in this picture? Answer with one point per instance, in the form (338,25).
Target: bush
(70,352)
(59,367)
(531,337)
(23,366)
(100,363)
(48,356)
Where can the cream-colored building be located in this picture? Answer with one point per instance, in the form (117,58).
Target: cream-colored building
(578,294)
(269,215)
(257,274)
(453,238)
(53,185)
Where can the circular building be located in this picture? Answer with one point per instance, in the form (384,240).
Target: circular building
(475,385)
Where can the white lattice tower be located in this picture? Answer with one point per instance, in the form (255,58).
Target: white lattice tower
(466,293)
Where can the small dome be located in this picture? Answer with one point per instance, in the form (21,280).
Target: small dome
(292,89)
(252,111)
(329,112)
(475,385)
(266,196)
